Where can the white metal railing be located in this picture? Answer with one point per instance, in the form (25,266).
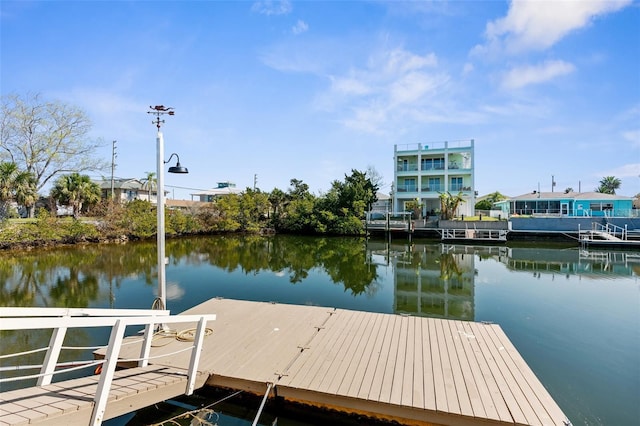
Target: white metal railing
(474,234)
(61,319)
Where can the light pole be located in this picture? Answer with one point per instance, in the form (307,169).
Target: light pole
(158,111)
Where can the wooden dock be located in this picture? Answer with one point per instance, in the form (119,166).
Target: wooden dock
(410,369)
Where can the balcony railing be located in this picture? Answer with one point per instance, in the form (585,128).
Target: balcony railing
(408,168)
(432,167)
(407,188)
(432,188)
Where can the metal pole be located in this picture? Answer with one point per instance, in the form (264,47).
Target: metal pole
(162,285)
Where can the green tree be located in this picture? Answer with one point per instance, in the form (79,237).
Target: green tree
(149,183)
(488,202)
(277,199)
(608,185)
(253,210)
(75,190)
(16,185)
(449,203)
(299,212)
(46,138)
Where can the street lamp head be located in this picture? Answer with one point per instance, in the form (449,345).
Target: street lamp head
(177,168)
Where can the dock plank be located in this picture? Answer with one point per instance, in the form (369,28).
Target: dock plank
(354,375)
(399,364)
(457,359)
(351,356)
(550,406)
(493,401)
(410,369)
(375,391)
(369,373)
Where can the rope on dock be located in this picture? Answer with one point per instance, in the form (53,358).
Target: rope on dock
(196,418)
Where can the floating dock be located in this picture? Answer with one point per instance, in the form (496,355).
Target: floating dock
(413,370)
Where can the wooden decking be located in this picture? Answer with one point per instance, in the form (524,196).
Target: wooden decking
(70,402)
(411,369)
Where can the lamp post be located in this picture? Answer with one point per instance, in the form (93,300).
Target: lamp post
(158,111)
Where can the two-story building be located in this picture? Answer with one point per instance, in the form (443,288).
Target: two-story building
(424,171)
(127,189)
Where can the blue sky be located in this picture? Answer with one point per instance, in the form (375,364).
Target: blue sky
(309,90)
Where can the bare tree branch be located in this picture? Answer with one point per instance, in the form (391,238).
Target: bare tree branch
(46,138)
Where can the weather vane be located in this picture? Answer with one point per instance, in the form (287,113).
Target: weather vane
(159,110)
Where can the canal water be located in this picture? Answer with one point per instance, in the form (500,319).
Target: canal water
(573,314)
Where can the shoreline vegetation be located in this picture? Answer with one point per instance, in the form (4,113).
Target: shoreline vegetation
(111,222)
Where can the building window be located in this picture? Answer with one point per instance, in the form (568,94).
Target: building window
(409,185)
(456,184)
(597,207)
(434,184)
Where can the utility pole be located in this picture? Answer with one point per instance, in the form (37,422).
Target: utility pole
(113,166)
(255,181)
(553,182)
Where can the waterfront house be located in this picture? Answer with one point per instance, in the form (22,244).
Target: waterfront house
(569,204)
(424,171)
(223,188)
(127,189)
(382,204)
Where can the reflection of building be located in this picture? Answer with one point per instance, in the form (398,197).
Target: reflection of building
(434,283)
(573,261)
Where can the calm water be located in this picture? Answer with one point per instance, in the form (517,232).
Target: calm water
(573,315)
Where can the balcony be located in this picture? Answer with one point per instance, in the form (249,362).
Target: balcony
(407,188)
(407,167)
(432,188)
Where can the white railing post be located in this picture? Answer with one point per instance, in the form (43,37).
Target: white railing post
(108,371)
(145,349)
(195,356)
(51,358)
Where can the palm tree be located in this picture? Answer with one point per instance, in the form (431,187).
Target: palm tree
(75,190)
(149,182)
(16,185)
(608,185)
(449,204)
(25,191)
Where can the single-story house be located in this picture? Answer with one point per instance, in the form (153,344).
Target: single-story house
(575,204)
(383,204)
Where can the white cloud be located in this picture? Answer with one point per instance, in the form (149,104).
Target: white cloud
(624,171)
(271,7)
(523,76)
(633,136)
(537,25)
(391,88)
(300,27)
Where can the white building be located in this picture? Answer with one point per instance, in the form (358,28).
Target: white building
(424,171)
(223,188)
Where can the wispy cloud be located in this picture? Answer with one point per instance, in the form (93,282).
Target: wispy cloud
(632,136)
(519,77)
(534,25)
(300,27)
(624,171)
(391,87)
(272,7)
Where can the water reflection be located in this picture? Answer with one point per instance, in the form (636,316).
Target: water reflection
(575,332)
(438,280)
(428,279)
